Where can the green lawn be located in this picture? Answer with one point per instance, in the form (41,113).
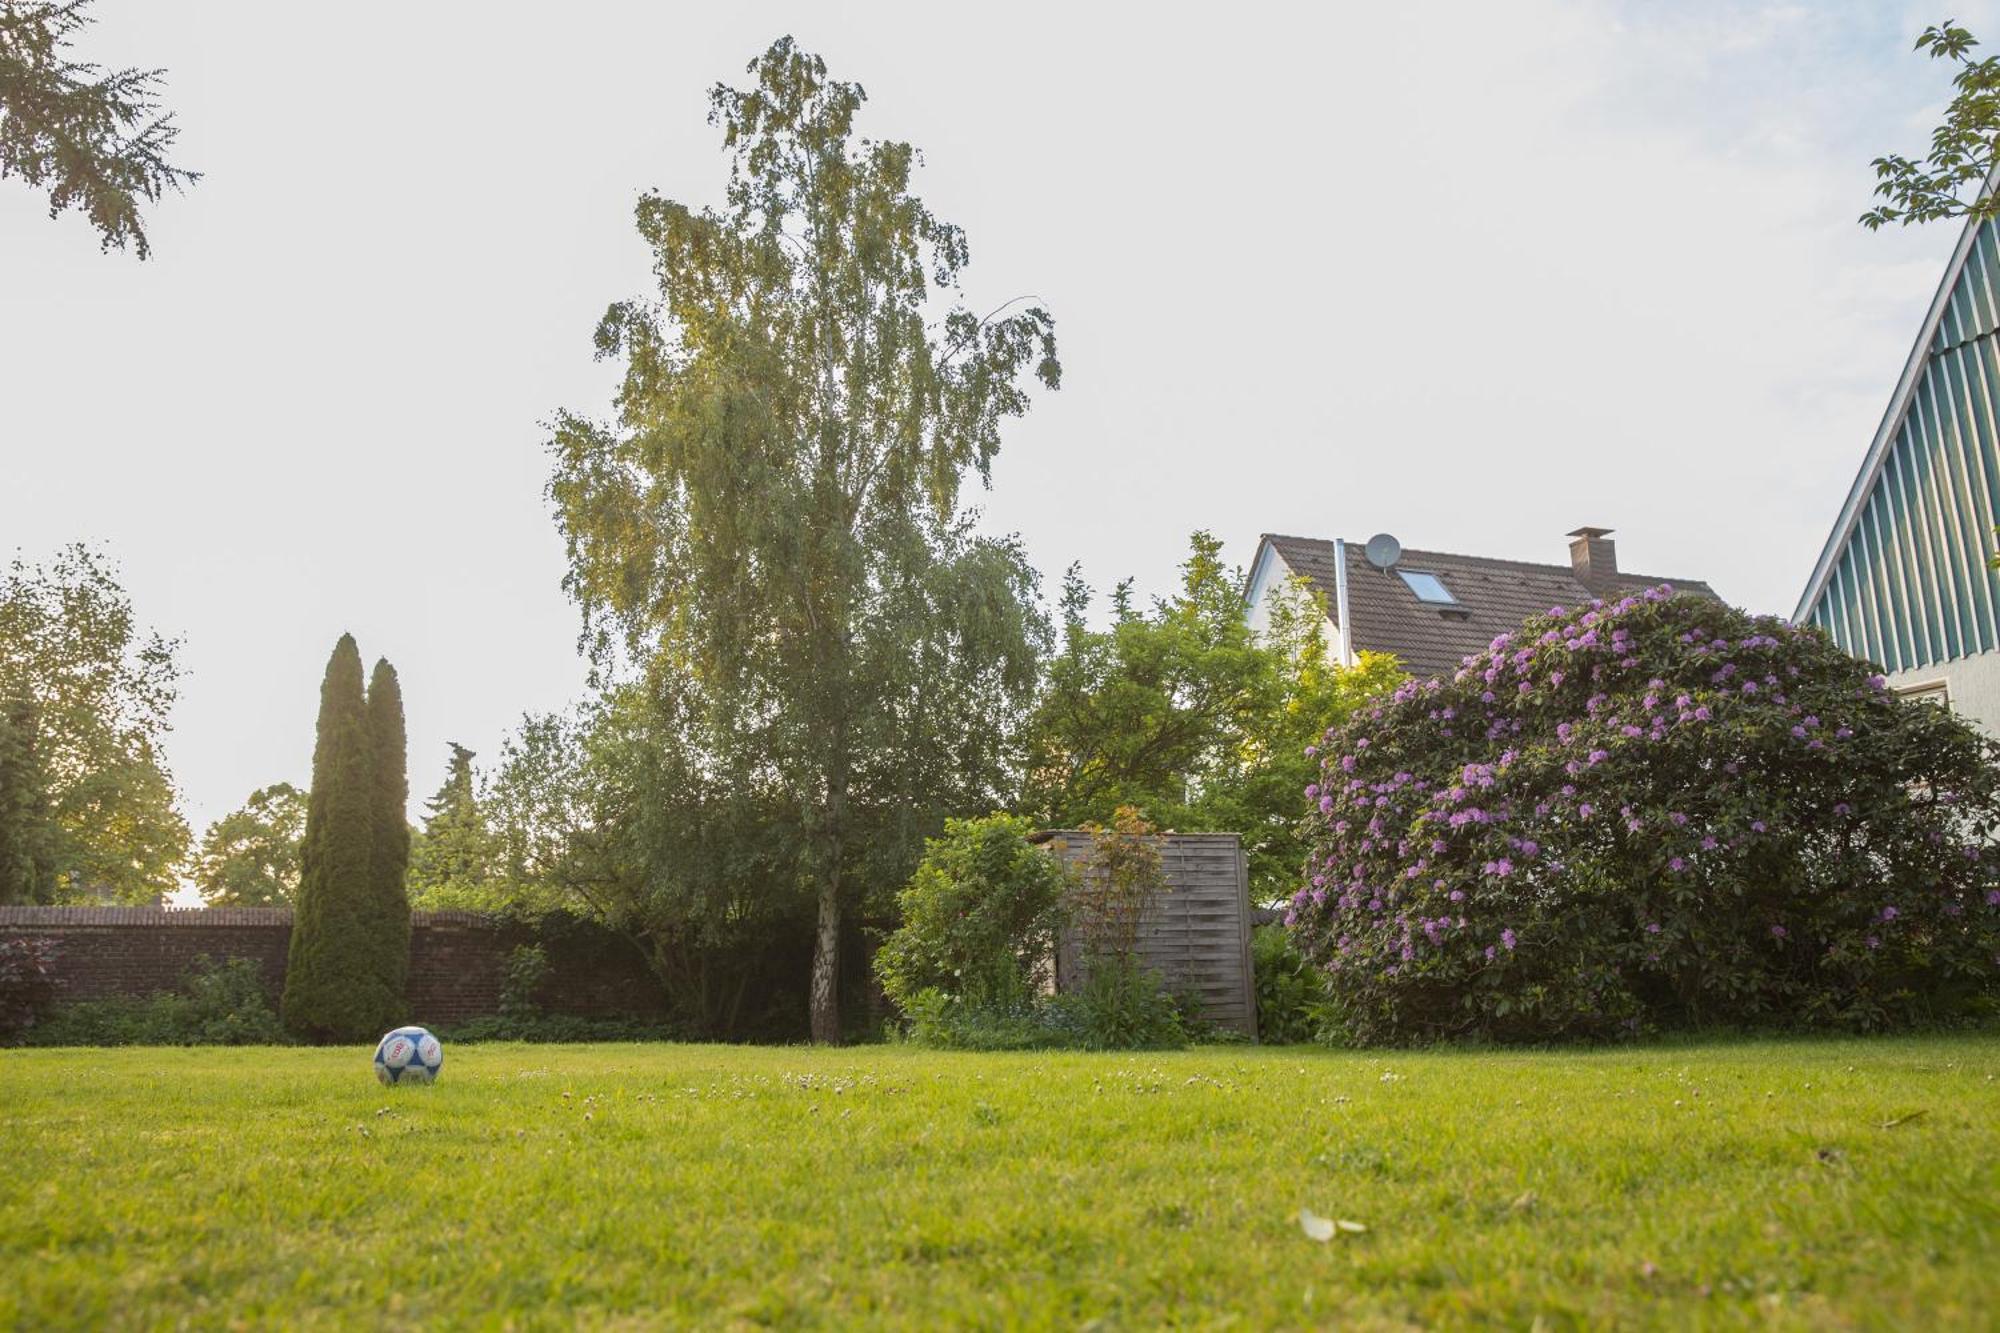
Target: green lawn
(1808,1185)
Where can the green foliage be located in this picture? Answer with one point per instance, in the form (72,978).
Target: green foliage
(970,967)
(522,1018)
(1186,712)
(334,984)
(771,530)
(544,1028)
(527,967)
(1120,878)
(250,857)
(1951,180)
(27,983)
(979,918)
(1292,1001)
(103,822)
(452,862)
(95,139)
(27,833)
(943,1021)
(1118,1004)
(388,899)
(219,1003)
(1661,813)
(610,815)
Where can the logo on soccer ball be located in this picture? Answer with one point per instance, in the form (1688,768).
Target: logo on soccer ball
(408,1055)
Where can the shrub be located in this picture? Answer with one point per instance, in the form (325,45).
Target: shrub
(27,983)
(526,968)
(218,1004)
(521,1018)
(547,1028)
(1118,1005)
(1650,814)
(950,1022)
(1291,992)
(979,917)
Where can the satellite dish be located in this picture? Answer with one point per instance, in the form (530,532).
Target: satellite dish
(1383,551)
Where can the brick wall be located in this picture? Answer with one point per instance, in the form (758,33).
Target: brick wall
(456,958)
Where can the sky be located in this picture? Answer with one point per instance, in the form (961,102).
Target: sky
(1474,278)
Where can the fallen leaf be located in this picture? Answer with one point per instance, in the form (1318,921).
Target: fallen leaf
(1316,1227)
(1904,1119)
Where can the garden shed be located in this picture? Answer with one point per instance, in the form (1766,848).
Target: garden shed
(1197,932)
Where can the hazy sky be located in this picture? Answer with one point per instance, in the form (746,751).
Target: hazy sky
(1473,275)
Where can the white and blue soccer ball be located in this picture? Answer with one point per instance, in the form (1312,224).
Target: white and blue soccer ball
(409,1055)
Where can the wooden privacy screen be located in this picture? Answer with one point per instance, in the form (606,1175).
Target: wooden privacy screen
(1197,933)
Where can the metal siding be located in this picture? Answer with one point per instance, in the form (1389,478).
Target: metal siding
(1972,438)
(1911,588)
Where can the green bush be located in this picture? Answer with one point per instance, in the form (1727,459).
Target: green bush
(1292,1003)
(979,918)
(554,1028)
(1119,1005)
(1659,813)
(218,1004)
(949,1022)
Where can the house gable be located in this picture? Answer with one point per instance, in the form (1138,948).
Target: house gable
(1903,579)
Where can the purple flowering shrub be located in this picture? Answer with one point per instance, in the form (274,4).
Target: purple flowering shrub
(1655,813)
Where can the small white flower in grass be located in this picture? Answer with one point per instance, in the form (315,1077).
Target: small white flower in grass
(1323,1229)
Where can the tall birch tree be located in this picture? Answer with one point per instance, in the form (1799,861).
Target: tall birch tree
(769,531)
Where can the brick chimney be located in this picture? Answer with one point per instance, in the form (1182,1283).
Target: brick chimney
(1594,557)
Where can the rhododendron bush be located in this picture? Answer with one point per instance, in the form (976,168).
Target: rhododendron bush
(1649,814)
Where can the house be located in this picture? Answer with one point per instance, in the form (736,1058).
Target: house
(1904,578)
(1430,608)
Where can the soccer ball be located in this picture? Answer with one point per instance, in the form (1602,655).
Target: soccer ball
(408,1055)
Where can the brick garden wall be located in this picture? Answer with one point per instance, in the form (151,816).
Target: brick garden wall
(456,958)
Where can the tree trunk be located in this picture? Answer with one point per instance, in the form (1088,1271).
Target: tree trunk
(826,961)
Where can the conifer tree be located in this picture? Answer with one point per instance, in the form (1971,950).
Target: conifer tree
(388,911)
(27,865)
(454,856)
(333,986)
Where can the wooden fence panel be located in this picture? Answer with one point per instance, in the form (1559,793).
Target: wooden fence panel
(1197,933)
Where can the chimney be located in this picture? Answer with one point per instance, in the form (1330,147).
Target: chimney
(1594,557)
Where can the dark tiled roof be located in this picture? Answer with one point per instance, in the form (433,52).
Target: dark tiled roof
(1494,597)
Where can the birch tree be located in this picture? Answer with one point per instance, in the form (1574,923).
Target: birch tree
(769,528)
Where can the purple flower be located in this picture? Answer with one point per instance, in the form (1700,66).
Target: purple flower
(1652,927)
(1677,865)
(1756,826)
(1778,932)
(1890,913)
(1507,938)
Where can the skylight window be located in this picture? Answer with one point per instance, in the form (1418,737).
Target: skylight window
(1428,587)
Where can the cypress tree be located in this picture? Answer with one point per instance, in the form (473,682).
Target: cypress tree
(27,833)
(389,799)
(333,982)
